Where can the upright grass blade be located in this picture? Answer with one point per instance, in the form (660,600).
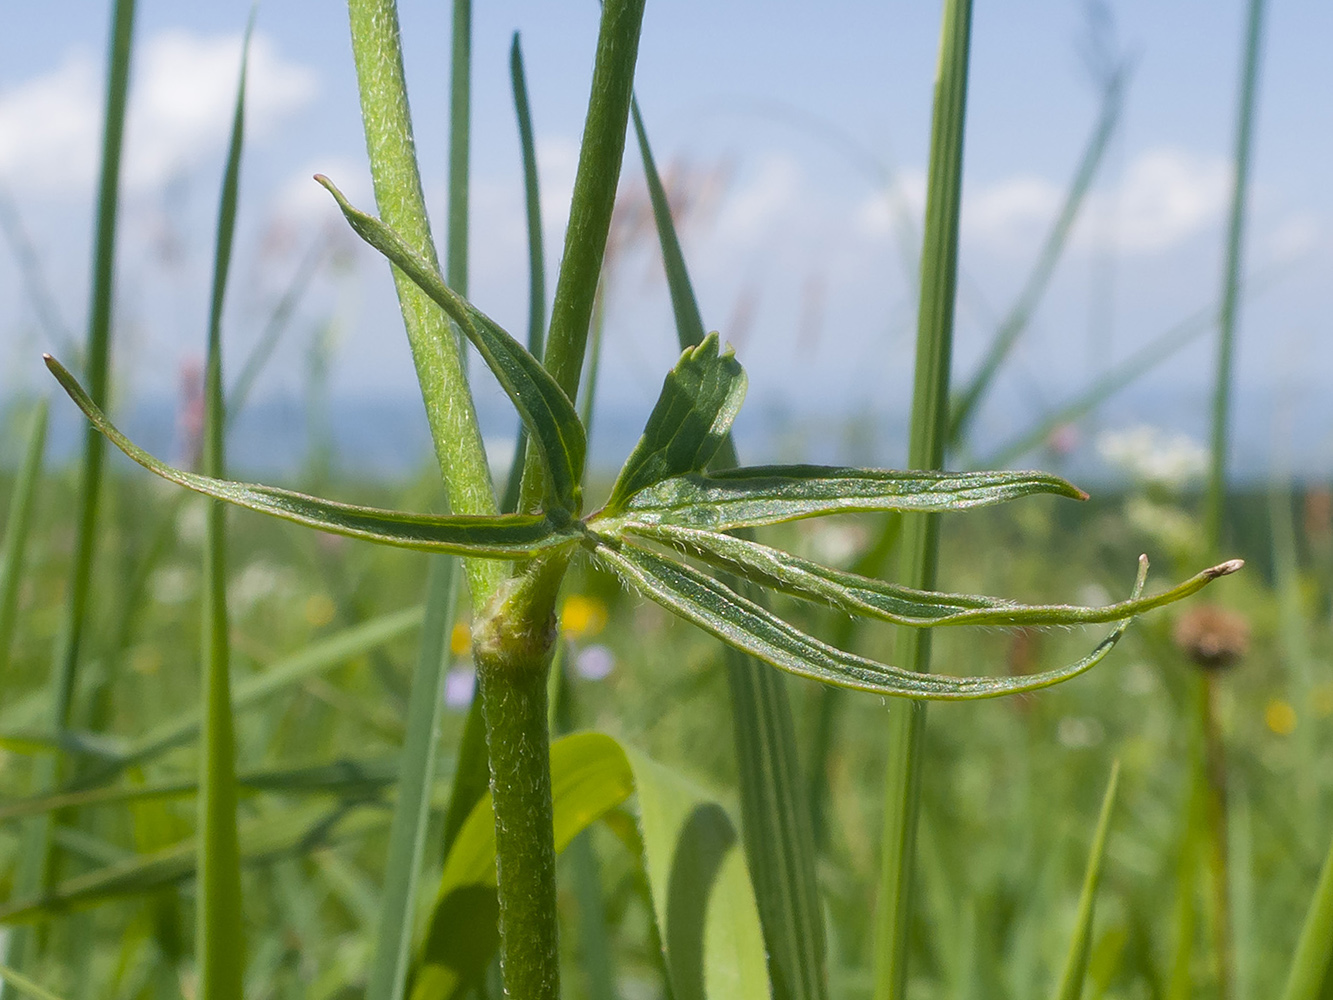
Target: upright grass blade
(17,527)
(1231,276)
(1311,973)
(594,198)
(779,840)
(34,868)
(219,946)
(407,835)
(377,49)
(460,141)
(1020,314)
(1215,499)
(1070,986)
(536,254)
(928,439)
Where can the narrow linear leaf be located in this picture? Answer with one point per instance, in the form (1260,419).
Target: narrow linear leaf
(759,495)
(261,840)
(411,812)
(891,602)
(692,417)
(1312,963)
(741,623)
(348,778)
(536,255)
(1080,945)
(547,413)
(500,536)
(25,985)
(17,528)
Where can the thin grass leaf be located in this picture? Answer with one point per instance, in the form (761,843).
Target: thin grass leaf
(278,322)
(699,400)
(345,778)
(499,536)
(411,813)
(34,870)
(262,840)
(276,677)
(965,404)
(17,528)
(25,985)
(927,439)
(743,624)
(1312,962)
(779,838)
(536,255)
(460,141)
(770,494)
(1070,986)
(546,410)
(219,945)
(1215,495)
(789,574)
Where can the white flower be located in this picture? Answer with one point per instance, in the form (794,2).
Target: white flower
(1154,455)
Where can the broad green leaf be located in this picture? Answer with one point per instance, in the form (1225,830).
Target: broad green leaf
(502,536)
(862,595)
(1312,964)
(702,897)
(700,398)
(741,623)
(261,839)
(769,494)
(1080,944)
(547,412)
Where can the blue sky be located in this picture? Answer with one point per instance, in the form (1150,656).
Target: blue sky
(789,233)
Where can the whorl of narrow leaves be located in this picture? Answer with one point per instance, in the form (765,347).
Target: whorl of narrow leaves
(664,497)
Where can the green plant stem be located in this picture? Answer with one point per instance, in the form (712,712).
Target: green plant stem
(920,540)
(219,947)
(594,199)
(1227,316)
(35,869)
(513,644)
(377,49)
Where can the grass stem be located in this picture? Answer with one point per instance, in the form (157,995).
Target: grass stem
(920,539)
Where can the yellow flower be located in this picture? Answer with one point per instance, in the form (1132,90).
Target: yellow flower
(1280,716)
(319,610)
(582,617)
(460,640)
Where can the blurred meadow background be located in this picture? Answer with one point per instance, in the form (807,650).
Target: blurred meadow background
(793,139)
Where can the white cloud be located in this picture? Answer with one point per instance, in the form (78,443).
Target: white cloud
(1168,195)
(181,98)
(1012,208)
(772,194)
